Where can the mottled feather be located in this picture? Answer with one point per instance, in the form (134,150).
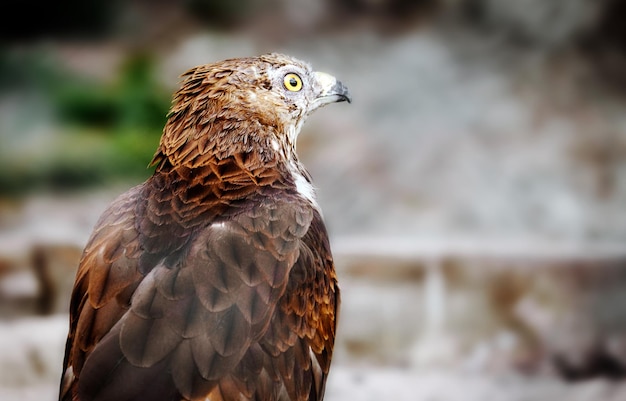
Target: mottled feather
(214,278)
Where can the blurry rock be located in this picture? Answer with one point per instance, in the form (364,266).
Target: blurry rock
(55,268)
(40,247)
(388,16)
(539,23)
(38,279)
(486,308)
(605,44)
(31,350)
(576,311)
(595,362)
(365,384)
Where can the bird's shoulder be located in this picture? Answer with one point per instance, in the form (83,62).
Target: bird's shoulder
(272,220)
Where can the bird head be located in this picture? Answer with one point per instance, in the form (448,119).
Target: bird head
(244,105)
(290,87)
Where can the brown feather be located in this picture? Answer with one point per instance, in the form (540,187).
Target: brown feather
(214,278)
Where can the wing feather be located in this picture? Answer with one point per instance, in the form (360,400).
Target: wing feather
(203,323)
(92,314)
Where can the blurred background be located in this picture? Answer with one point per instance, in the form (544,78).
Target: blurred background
(474,190)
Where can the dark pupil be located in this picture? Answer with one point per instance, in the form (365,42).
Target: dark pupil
(293,82)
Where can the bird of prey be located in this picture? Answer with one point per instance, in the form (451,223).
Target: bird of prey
(213,280)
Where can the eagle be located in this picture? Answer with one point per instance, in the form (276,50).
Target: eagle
(213,279)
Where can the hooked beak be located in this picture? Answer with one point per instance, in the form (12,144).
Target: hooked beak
(332,90)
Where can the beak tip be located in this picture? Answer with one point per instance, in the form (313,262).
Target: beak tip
(341,91)
(332,90)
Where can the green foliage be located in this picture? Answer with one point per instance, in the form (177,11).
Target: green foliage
(79,159)
(106,133)
(135,101)
(27,70)
(87,105)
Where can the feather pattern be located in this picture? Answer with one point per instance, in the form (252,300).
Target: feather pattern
(213,279)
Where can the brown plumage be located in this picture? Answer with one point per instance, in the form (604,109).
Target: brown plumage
(213,279)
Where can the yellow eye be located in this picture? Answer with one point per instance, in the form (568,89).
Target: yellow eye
(292,82)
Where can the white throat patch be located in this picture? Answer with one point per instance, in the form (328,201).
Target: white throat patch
(303,186)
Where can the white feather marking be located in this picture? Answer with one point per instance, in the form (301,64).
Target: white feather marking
(221,224)
(303,186)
